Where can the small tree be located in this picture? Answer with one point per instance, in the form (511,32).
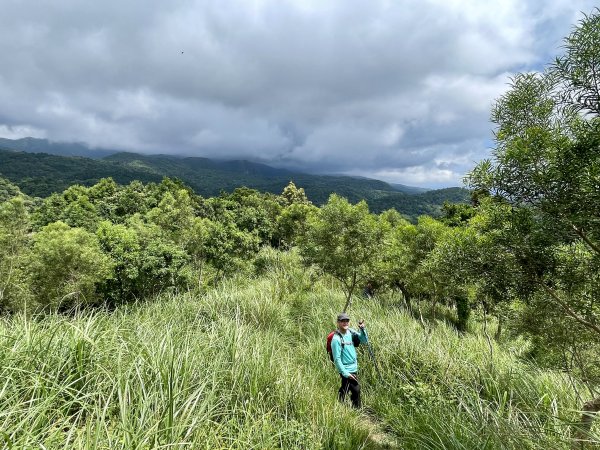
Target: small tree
(396,266)
(292,223)
(65,265)
(226,247)
(248,210)
(123,246)
(427,279)
(72,207)
(293,195)
(175,215)
(292,220)
(344,241)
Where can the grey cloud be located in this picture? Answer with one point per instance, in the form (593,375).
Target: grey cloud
(371,87)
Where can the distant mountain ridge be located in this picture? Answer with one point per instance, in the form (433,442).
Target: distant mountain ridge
(40,174)
(196,162)
(36,145)
(408,189)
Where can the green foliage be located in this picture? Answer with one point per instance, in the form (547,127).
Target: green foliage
(228,248)
(146,260)
(14,240)
(123,246)
(396,265)
(153,235)
(463,312)
(65,265)
(248,210)
(128,201)
(544,175)
(293,217)
(576,70)
(255,212)
(292,223)
(457,214)
(72,207)
(344,241)
(161,261)
(174,215)
(293,195)
(393,217)
(8,190)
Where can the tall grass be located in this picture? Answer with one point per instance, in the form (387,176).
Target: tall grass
(243,366)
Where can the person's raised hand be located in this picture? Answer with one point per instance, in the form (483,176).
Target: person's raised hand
(361,324)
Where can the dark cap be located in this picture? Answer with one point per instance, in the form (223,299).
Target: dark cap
(343,316)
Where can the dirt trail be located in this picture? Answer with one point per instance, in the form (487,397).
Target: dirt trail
(379,439)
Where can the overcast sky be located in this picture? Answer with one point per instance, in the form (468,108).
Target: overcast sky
(395,90)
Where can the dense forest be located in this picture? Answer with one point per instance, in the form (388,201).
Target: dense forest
(143,315)
(41,174)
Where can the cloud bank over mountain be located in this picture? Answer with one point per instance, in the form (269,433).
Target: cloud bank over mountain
(399,91)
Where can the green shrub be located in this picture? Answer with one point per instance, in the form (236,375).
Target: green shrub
(66,265)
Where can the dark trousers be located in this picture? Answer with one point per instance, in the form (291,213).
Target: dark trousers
(348,384)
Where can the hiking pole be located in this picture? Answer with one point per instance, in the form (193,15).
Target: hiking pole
(372,354)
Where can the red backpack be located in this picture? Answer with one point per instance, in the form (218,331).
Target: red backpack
(355,341)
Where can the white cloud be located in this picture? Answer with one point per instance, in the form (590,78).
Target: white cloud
(20,131)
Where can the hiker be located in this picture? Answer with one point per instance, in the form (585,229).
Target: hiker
(344,357)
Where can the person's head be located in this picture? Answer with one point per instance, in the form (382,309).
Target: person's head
(343,322)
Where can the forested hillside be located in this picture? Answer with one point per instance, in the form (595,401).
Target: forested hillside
(103,248)
(42,174)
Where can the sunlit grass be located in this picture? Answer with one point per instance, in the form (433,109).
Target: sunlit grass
(244,366)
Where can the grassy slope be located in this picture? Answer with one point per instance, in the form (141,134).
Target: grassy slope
(244,367)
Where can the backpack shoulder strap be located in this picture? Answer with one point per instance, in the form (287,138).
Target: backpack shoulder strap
(337,332)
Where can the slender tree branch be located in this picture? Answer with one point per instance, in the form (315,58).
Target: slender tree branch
(586,323)
(350,289)
(568,370)
(587,240)
(487,336)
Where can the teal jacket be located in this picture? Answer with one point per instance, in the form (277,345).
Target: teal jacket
(345,360)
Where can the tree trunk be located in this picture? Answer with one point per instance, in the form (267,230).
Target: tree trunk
(348,302)
(487,337)
(350,291)
(435,298)
(200,275)
(421,316)
(590,409)
(433,308)
(405,295)
(499,329)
